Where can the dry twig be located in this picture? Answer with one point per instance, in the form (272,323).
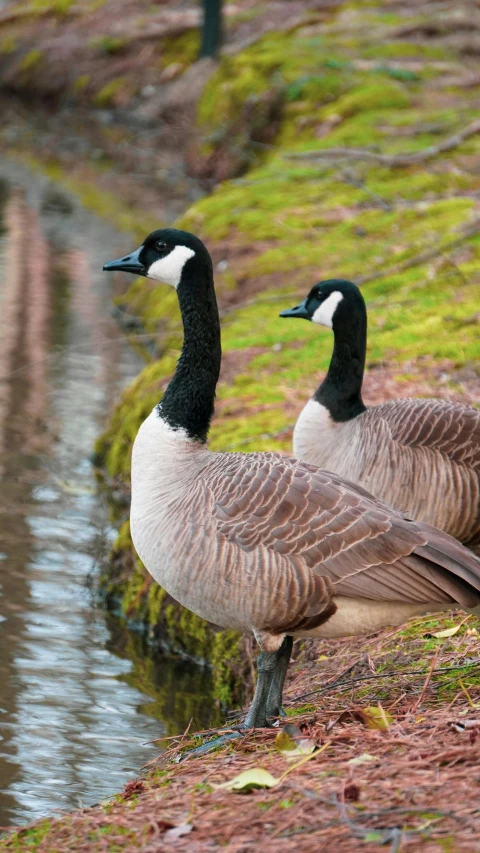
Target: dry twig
(392,160)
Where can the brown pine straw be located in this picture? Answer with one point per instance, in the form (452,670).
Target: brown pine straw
(412,788)
(427,681)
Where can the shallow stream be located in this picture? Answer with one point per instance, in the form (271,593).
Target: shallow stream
(80,695)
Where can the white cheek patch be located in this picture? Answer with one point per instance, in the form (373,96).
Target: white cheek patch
(324,313)
(170,268)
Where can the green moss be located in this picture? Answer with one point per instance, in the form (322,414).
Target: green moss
(55,7)
(369,97)
(226,658)
(8,44)
(30,837)
(81,83)
(155,601)
(315,88)
(133,599)
(227,91)
(406,50)
(108,44)
(239,111)
(183,48)
(31,60)
(298,710)
(109,93)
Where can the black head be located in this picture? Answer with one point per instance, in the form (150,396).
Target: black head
(328,301)
(165,255)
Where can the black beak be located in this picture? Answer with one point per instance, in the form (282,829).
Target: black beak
(130,263)
(298,311)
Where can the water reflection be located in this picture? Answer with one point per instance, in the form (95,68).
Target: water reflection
(79,695)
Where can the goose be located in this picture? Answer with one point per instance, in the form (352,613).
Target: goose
(258,542)
(420,456)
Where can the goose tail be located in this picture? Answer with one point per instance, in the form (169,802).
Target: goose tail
(459,565)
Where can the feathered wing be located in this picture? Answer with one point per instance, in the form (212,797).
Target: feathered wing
(328,528)
(441,426)
(435,446)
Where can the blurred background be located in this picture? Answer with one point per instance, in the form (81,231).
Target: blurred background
(300,141)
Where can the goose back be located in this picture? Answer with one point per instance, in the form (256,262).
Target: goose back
(421,456)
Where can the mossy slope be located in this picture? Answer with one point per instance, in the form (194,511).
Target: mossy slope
(408,232)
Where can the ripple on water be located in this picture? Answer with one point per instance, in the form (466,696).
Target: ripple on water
(80,697)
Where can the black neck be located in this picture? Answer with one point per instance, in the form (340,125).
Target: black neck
(341,390)
(188,402)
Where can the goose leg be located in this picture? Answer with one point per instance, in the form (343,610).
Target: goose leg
(271,671)
(257,713)
(274,701)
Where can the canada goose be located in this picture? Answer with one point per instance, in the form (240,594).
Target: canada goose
(421,456)
(256,541)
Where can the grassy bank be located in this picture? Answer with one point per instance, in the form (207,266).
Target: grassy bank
(399,216)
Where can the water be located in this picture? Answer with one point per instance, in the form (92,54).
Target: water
(79,696)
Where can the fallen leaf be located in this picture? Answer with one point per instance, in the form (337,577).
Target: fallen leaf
(374,717)
(290,733)
(442,635)
(290,742)
(256,777)
(375,836)
(260,778)
(364,758)
(351,792)
(178,831)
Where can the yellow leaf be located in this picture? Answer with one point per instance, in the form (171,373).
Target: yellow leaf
(376,718)
(364,758)
(448,632)
(256,777)
(291,744)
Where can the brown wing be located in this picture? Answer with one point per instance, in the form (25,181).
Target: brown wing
(448,428)
(326,526)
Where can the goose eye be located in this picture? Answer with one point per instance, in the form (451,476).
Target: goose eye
(160,246)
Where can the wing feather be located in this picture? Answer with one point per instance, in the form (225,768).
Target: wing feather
(330,530)
(449,428)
